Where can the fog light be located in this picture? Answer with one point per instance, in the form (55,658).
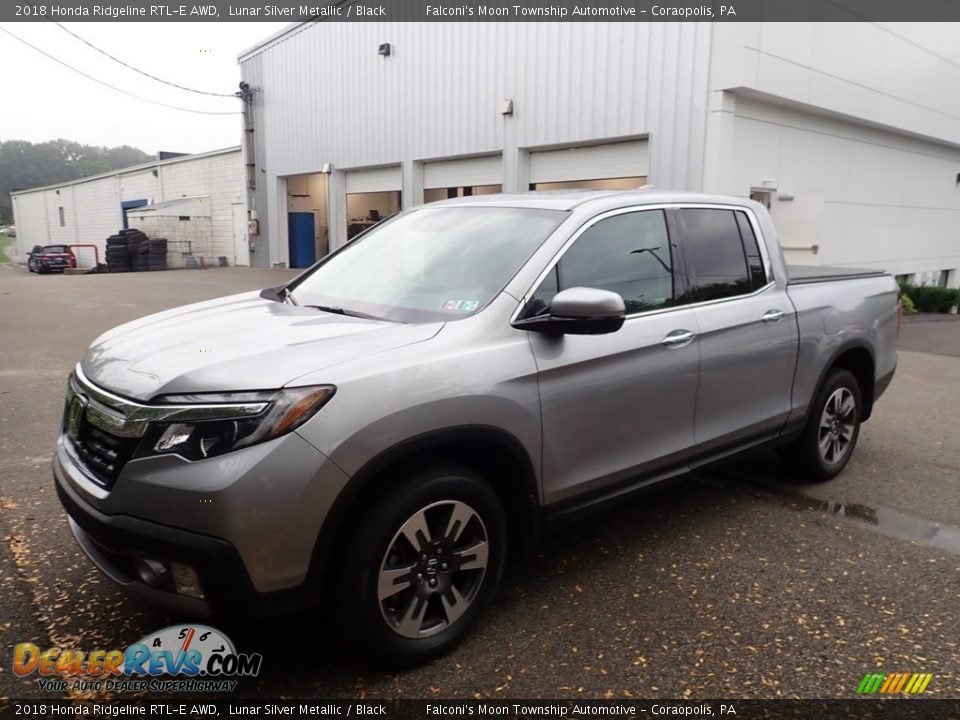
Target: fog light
(151,572)
(186,582)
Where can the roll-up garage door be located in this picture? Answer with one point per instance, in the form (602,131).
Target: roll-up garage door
(373,180)
(594,162)
(466,172)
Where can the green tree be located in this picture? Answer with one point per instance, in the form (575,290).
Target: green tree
(26,165)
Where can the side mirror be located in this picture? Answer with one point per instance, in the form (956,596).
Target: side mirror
(579,311)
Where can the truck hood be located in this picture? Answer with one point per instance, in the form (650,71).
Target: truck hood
(240,342)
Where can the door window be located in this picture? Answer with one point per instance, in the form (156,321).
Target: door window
(751,249)
(628,254)
(713,253)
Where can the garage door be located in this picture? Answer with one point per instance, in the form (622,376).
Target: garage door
(374,180)
(595,162)
(466,172)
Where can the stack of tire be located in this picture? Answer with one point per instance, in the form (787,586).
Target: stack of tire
(131,249)
(121,249)
(150,254)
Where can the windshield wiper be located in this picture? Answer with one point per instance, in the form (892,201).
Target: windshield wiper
(280,293)
(342,311)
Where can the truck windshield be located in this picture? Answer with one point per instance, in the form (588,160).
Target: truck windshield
(429,264)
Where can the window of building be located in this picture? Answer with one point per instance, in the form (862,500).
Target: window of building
(713,252)
(624,183)
(63,216)
(435,194)
(628,254)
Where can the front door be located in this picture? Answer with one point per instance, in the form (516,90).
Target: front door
(617,406)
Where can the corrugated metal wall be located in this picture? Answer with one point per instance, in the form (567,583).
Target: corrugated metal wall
(92,207)
(325,95)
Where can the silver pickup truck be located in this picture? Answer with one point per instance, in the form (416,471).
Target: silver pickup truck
(371,440)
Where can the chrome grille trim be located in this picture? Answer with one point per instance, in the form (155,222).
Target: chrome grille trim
(129,419)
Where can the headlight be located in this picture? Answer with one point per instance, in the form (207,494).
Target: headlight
(206,432)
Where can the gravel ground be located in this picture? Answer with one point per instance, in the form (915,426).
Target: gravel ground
(731,584)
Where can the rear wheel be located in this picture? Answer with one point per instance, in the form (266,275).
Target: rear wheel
(421,565)
(832,429)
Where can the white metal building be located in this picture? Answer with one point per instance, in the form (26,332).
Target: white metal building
(847,130)
(197,202)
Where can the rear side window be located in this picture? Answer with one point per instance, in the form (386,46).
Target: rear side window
(628,254)
(751,249)
(713,254)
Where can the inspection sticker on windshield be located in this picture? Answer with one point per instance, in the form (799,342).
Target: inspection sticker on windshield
(460,305)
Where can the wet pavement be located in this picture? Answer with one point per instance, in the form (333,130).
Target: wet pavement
(932,333)
(735,583)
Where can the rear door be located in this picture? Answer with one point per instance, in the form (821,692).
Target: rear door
(747,327)
(619,405)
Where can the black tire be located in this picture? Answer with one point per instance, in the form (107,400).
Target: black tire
(115,241)
(829,437)
(374,628)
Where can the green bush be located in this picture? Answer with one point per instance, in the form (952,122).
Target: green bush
(908,306)
(929,298)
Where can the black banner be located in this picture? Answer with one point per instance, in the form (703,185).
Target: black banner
(182,707)
(486,11)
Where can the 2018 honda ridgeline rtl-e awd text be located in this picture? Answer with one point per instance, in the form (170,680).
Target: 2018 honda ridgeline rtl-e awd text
(376,435)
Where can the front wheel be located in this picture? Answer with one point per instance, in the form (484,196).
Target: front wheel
(421,565)
(832,429)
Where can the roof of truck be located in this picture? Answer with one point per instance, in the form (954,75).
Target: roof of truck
(569,199)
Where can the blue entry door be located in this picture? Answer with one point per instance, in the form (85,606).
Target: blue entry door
(302,238)
(130,205)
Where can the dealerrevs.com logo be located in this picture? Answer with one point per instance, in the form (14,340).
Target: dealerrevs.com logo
(893,683)
(204,655)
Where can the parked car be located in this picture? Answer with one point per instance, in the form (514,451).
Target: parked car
(48,258)
(374,438)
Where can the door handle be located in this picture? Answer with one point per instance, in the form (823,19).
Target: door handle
(773,316)
(678,339)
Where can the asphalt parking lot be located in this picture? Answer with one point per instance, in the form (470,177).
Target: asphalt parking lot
(738,583)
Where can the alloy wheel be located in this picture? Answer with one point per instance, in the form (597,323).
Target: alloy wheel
(837,425)
(433,569)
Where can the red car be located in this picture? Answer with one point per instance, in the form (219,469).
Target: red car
(47,258)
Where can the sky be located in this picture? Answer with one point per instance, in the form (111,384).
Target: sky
(44,100)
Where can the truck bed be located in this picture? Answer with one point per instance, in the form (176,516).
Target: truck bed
(806,274)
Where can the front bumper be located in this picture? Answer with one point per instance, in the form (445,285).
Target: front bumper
(246,522)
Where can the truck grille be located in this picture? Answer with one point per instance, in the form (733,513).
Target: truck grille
(103,454)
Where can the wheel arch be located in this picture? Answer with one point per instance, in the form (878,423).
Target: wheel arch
(857,358)
(489,451)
